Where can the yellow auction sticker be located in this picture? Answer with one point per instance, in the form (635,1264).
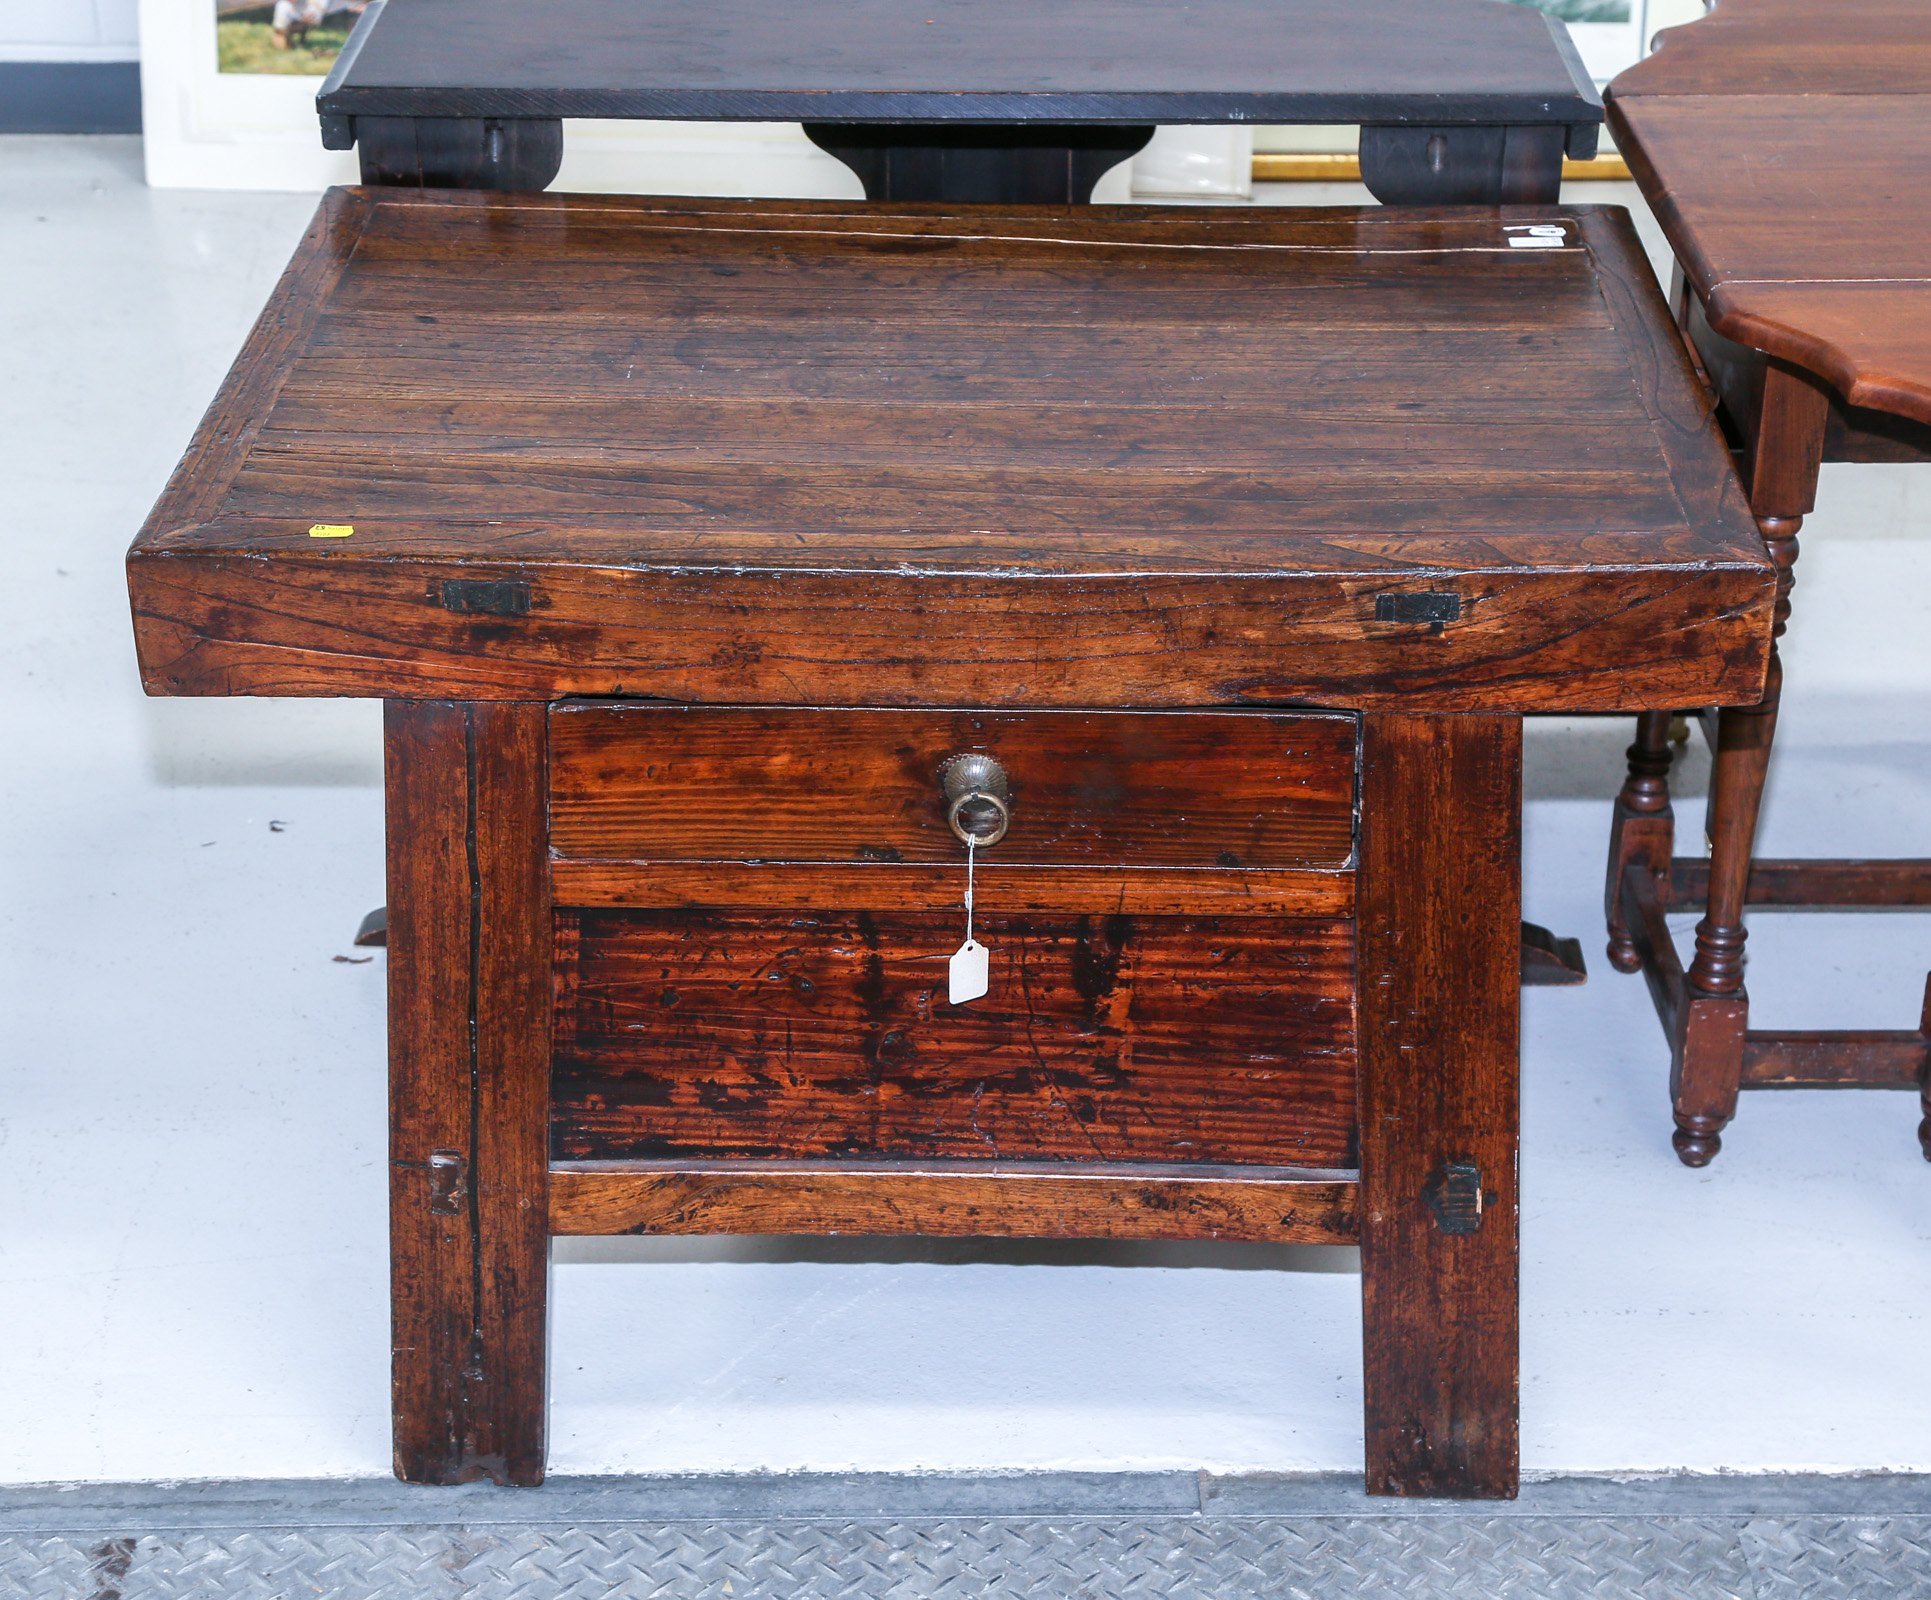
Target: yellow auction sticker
(331,530)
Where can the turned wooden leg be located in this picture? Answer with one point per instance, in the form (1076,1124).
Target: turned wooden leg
(1708,1066)
(1440,1005)
(469,1063)
(1643,831)
(1924,1077)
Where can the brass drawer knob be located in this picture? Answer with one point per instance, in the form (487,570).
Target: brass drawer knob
(976,799)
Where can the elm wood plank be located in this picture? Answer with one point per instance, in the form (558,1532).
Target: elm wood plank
(790,786)
(882,886)
(1673,399)
(1815,884)
(635,434)
(740,1034)
(1028,1200)
(1440,888)
(469,1065)
(728,578)
(985,61)
(304,624)
(243,402)
(1835,1058)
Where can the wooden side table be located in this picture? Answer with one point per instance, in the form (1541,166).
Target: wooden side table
(693,542)
(1462,102)
(1782,146)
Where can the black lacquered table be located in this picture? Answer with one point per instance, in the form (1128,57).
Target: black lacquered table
(1460,102)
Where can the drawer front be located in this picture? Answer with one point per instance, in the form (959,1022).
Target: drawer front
(716,1033)
(1168,789)
(1170,811)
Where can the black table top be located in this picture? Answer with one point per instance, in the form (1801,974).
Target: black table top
(1001,61)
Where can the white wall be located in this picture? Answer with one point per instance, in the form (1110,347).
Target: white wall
(68,30)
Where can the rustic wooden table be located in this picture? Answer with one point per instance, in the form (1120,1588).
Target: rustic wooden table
(689,541)
(1783,146)
(1462,102)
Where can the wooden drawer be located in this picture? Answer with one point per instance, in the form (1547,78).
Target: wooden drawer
(1120,1039)
(1176,812)
(756,907)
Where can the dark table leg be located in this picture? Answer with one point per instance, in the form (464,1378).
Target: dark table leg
(980,164)
(1782,417)
(1439,896)
(517,153)
(1642,831)
(469,1054)
(1464,166)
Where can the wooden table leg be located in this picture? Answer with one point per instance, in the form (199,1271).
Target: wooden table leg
(1643,830)
(1707,1054)
(1439,896)
(469,1057)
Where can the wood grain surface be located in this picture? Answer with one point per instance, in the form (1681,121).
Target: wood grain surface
(1241,790)
(1026,1200)
(746,452)
(691,1034)
(469,1058)
(1441,853)
(886,886)
(1791,47)
(1782,146)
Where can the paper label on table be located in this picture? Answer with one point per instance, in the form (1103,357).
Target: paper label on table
(970,974)
(1536,236)
(330,530)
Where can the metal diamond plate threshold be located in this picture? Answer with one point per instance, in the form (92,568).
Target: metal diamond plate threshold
(882,1537)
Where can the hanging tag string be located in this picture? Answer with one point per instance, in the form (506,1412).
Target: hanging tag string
(971,856)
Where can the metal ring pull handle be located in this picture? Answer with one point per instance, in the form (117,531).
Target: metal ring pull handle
(977,799)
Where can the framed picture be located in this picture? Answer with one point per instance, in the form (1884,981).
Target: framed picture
(224,106)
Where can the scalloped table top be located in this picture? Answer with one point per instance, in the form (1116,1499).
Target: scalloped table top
(1784,147)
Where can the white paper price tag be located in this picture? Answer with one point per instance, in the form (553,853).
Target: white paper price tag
(1536,236)
(970,974)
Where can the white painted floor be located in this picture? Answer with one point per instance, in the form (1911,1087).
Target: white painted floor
(192,1268)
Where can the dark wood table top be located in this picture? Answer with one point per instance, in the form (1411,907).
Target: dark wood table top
(795,452)
(1785,148)
(1121,61)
